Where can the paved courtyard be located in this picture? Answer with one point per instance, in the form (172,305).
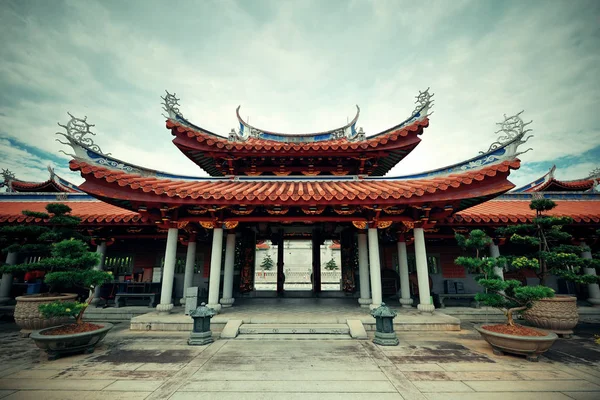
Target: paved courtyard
(435,365)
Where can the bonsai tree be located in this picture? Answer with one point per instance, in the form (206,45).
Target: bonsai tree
(545,242)
(331,265)
(509,296)
(64,256)
(267,263)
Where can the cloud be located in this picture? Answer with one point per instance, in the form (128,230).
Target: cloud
(301,67)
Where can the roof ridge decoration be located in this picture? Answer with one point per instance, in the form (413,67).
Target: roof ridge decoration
(513,130)
(8,176)
(171,105)
(424,102)
(247,131)
(77,130)
(595,173)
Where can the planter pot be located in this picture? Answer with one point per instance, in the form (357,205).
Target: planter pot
(557,314)
(27,314)
(59,345)
(530,346)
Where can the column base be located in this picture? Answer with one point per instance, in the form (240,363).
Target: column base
(94,301)
(595,302)
(364,303)
(374,306)
(406,303)
(426,308)
(216,307)
(164,308)
(182,301)
(225,303)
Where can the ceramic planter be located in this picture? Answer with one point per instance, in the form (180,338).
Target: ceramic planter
(28,316)
(59,345)
(530,346)
(556,314)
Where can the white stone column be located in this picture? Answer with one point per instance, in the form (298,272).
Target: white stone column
(190,262)
(375,267)
(228,299)
(215,270)
(5,285)
(363,271)
(422,272)
(101,250)
(166,291)
(405,298)
(593,288)
(495,253)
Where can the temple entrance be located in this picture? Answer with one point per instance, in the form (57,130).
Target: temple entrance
(299,258)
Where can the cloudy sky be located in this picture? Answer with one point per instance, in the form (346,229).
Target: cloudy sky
(300,66)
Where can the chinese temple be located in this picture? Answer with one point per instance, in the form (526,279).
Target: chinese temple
(185,231)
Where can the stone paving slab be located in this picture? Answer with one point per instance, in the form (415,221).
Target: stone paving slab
(157,366)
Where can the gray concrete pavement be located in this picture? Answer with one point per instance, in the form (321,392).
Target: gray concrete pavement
(426,365)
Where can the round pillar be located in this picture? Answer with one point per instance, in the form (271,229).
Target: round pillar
(190,261)
(6,283)
(495,253)
(593,288)
(101,250)
(375,268)
(228,299)
(422,272)
(166,291)
(405,298)
(363,271)
(215,270)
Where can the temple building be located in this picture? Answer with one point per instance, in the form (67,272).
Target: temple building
(268,188)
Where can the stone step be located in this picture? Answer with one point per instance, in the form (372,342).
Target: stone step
(294,329)
(294,336)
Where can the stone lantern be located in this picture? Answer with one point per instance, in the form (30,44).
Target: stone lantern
(201,333)
(384,326)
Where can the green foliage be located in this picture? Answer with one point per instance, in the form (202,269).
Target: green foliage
(542,205)
(331,265)
(61,309)
(86,278)
(507,295)
(545,247)
(267,263)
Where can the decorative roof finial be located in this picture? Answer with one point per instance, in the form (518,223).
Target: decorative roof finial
(424,102)
(512,130)
(595,173)
(8,175)
(171,105)
(77,131)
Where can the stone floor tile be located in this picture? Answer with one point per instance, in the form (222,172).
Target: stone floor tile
(582,395)
(290,386)
(292,365)
(306,375)
(496,396)
(578,374)
(4,393)
(441,386)
(408,390)
(534,386)
(75,395)
(134,386)
(54,384)
(547,375)
(160,367)
(419,367)
(280,396)
(34,374)
(116,374)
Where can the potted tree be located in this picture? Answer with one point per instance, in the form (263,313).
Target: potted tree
(509,296)
(34,243)
(545,240)
(71,264)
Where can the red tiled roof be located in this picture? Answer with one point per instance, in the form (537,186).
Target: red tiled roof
(290,191)
(556,185)
(255,145)
(90,212)
(518,211)
(47,186)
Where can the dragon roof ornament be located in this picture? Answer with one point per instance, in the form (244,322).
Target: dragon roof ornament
(77,131)
(171,105)
(424,102)
(595,173)
(512,130)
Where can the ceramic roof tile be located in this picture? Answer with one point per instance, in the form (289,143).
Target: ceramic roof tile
(516,211)
(89,212)
(287,191)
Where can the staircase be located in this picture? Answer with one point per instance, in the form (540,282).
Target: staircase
(282,331)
